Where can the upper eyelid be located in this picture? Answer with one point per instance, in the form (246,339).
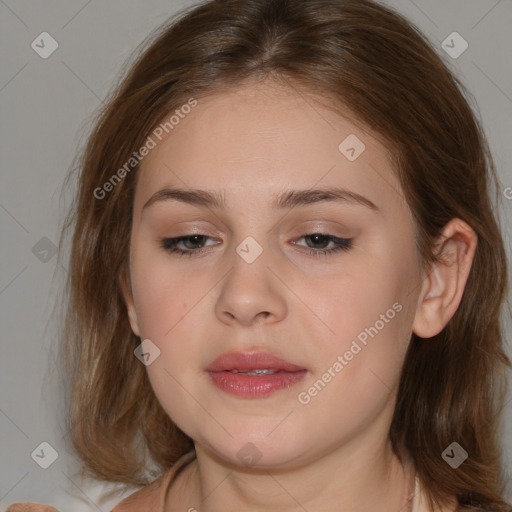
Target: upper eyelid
(205,227)
(333,238)
(303,234)
(317,226)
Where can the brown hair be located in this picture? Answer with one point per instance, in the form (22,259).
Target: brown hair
(356,55)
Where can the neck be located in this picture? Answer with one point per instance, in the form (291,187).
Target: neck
(346,479)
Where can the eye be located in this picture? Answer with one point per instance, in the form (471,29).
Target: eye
(188,245)
(172,244)
(323,239)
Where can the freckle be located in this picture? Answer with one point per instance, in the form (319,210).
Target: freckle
(184,306)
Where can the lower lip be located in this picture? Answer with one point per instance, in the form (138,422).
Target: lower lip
(254,386)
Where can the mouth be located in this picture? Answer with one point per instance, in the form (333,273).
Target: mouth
(253,374)
(244,362)
(263,371)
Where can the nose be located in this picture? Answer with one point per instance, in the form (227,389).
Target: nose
(251,293)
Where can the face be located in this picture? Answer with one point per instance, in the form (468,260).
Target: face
(327,282)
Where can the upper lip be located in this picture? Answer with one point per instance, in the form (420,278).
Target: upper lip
(245,361)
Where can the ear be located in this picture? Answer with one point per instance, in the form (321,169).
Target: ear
(443,285)
(126,289)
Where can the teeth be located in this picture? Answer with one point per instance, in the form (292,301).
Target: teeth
(255,372)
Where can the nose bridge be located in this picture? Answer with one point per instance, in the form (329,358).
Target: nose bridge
(249,274)
(250,289)
(254,232)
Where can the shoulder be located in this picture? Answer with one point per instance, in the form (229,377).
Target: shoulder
(475,508)
(152,497)
(502,508)
(30,507)
(147,498)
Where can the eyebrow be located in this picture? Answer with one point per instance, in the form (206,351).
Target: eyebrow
(288,199)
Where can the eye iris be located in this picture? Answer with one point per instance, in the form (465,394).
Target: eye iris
(316,236)
(196,240)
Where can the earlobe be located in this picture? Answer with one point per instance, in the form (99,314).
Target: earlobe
(443,285)
(123,280)
(132,317)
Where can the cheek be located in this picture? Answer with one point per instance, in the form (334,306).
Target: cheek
(357,373)
(364,295)
(169,310)
(164,297)
(174,393)
(368,313)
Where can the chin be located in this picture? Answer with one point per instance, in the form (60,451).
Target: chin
(259,452)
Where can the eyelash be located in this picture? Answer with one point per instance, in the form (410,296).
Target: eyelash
(169,245)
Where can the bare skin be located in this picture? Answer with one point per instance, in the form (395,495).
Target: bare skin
(329,451)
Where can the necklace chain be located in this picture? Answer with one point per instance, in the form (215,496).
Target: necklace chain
(412,496)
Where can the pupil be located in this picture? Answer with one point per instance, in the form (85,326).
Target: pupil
(315,238)
(195,239)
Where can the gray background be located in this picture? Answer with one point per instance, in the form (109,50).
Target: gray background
(46,104)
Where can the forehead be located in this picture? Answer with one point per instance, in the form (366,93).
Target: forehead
(261,139)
